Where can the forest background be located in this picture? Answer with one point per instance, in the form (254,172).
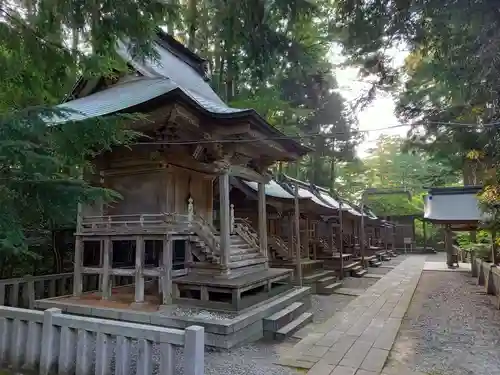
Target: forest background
(275,56)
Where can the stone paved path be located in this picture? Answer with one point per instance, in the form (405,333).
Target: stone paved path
(357,340)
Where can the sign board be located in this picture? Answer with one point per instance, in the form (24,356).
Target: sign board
(407,240)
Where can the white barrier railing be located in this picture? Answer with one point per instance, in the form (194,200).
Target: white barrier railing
(23,291)
(50,342)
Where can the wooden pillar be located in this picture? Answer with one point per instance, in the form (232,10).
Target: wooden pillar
(139,269)
(291,223)
(298,264)
(106,249)
(77,275)
(262,219)
(424,228)
(362,233)
(494,257)
(341,242)
(307,233)
(225,237)
(448,245)
(166,277)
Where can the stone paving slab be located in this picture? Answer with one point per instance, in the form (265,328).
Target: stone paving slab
(373,275)
(442,266)
(349,291)
(357,340)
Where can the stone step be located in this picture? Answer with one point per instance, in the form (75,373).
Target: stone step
(248,262)
(350,266)
(237,258)
(360,273)
(240,251)
(356,268)
(329,289)
(309,279)
(242,244)
(386,258)
(292,327)
(281,318)
(377,263)
(239,241)
(325,281)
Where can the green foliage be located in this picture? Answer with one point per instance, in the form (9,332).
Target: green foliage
(389,166)
(44,46)
(272,56)
(481,250)
(40,179)
(465,240)
(451,77)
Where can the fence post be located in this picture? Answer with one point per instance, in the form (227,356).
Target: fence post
(29,292)
(231,218)
(194,351)
(190,210)
(50,349)
(481,276)
(473,263)
(2,294)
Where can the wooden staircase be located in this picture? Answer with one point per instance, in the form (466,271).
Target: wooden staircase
(245,255)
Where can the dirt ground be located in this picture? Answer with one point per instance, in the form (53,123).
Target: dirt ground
(451,327)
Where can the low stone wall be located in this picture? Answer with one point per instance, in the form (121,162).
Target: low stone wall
(50,342)
(488,275)
(222,332)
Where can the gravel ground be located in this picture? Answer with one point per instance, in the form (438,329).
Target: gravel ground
(450,327)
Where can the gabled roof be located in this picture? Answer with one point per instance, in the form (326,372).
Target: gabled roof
(305,190)
(272,189)
(453,205)
(177,73)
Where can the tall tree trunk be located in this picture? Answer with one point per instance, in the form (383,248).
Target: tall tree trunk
(192,21)
(170,19)
(332,174)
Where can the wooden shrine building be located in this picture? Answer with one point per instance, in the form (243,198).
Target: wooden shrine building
(457,209)
(282,225)
(166,234)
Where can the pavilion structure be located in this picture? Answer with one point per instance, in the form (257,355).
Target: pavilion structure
(456,209)
(371,248)
(192,145)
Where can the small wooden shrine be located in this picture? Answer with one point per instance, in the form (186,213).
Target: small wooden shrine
(166,234)
(282,241)
(457,209)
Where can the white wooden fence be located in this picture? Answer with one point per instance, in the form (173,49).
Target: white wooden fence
(23,291)
(50,342)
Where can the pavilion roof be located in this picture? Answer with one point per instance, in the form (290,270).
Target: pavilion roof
(453,205)
(177,74)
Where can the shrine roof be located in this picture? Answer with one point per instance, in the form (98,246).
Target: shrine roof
(177,73)
(272,189)
(453,205)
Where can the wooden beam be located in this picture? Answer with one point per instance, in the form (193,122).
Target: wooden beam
(232,130)
(77,276)
(166,278)
(225,239)
(262,219)
(297,234)
(139,268)
(107,248)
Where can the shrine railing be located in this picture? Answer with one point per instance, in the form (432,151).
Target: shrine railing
(206,233)
(280,246)
(244,229)
(162,222)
